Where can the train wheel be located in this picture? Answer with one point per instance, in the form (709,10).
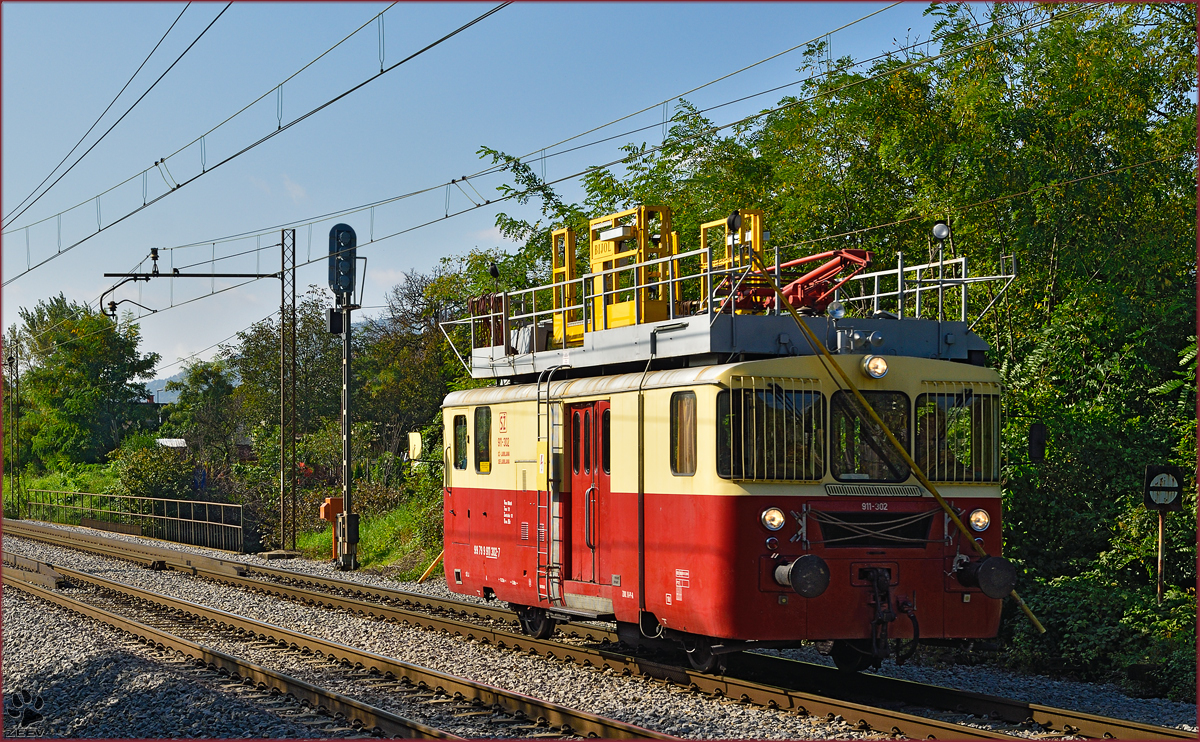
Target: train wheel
(535,622)
(851,655)
(701,657)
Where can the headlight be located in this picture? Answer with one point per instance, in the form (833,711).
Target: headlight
(875,367)
(979,519)
(772,519)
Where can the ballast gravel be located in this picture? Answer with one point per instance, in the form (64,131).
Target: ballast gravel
(94,683)
(632,700)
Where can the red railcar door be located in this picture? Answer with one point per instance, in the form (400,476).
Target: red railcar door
(589,491)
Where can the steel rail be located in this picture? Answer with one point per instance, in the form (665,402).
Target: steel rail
(569,720)
(863,717)
(819,678)
(359,714)
(779,673)
(762,692)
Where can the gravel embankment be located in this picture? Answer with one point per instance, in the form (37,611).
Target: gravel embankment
(613,696)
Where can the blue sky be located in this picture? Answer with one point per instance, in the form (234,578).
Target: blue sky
(529,76)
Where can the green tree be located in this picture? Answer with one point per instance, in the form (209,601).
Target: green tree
(206,414)
(146,469)
(82,385)
(406,366)
(254,360)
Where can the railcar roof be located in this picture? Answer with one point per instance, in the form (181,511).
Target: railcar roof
(592,386)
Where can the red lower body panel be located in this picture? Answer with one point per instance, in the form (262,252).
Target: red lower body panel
(709,568)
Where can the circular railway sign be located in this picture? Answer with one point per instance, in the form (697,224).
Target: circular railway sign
(1164,487)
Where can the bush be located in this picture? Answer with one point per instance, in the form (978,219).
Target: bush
(153,472)
(1097,628)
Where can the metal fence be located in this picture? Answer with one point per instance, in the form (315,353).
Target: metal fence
(215,525)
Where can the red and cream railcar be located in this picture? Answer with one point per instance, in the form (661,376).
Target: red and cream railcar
(729,505)
(747,467)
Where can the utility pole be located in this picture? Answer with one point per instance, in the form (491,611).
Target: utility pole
(287,387)
(14,428)
(342,262)
(287,366)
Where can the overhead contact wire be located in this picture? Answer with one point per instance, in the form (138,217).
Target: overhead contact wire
(102,114)
(269,136)
(363,207)
(127,112)
(564,141)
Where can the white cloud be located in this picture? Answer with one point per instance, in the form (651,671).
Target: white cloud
(294,190)
(385,277)
(490,235)
(260,184)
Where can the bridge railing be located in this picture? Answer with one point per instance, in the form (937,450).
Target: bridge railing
(215,525)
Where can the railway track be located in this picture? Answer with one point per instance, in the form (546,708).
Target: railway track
(320,701)
(532,717)
(752,678)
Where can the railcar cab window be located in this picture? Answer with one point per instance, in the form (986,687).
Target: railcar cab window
(483,440)
(859,450)
(460,441)
(683,433)
(768,433)
(958,436)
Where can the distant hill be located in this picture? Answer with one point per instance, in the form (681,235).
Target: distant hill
(158,388)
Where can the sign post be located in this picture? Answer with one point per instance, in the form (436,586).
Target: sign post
(1163,492)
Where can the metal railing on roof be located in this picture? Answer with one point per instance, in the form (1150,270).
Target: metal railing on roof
(525,321)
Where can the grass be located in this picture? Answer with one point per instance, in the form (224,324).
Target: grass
(93,478)
(389,543)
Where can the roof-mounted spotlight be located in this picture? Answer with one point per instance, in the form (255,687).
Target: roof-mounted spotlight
(836,309)
(941,230)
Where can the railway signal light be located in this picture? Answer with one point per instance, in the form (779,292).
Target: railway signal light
(342,244)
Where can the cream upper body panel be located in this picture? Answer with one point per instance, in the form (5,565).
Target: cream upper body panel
(912,376)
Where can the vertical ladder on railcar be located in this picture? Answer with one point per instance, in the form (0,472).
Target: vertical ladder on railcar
(549,534)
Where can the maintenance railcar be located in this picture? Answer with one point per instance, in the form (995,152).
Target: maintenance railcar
(665,449)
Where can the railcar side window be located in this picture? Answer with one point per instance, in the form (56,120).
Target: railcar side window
(768,432)
(683,433)
(483,440)
(604,440)
(958,435)
(460,441)
(575,442)
(587,442)
(859,450)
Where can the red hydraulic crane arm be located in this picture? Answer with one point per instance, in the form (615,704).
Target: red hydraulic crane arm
(815,288)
